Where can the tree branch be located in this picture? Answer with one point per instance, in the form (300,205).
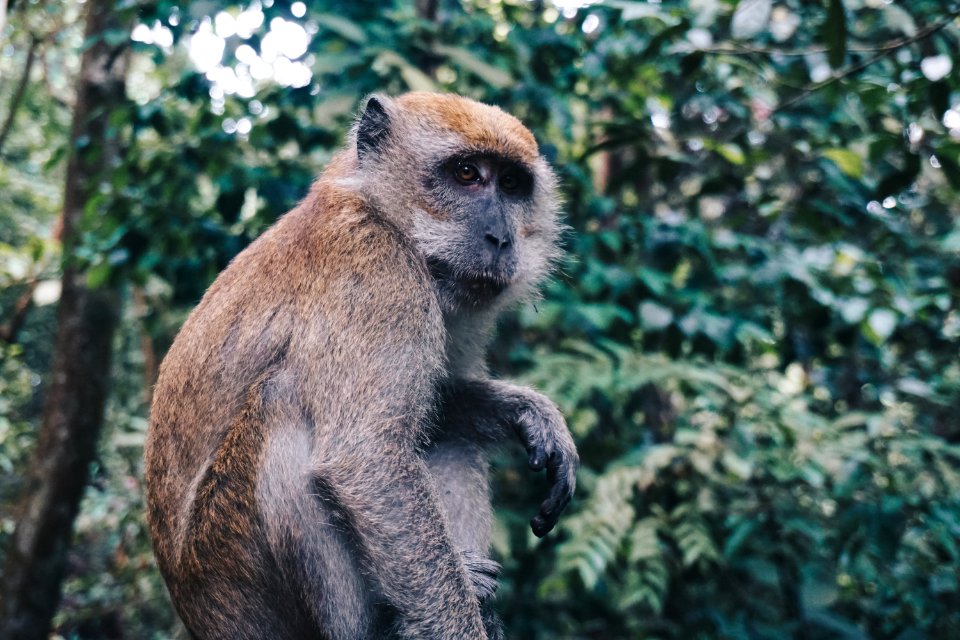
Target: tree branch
(20,90)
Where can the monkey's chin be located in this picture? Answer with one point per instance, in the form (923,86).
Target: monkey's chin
(482,289)
(468,289)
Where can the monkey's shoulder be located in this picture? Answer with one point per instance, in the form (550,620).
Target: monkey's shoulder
(332,233)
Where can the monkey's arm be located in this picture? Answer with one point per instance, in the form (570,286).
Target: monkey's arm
(492,411)
(378,369)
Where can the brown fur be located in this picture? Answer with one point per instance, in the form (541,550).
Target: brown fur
(293,488)
(481,126)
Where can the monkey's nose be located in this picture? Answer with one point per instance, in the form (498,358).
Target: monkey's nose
(498,243)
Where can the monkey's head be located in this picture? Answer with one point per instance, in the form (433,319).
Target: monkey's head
(467,183)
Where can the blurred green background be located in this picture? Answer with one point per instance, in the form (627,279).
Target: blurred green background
(755,335)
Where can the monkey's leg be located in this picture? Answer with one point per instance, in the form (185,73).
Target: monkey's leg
(312,548)
(460,473)
(260,559)
(387,503)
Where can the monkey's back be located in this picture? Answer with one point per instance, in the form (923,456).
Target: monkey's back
(271,341)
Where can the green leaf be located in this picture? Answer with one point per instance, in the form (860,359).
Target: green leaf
(949,166)
(939,93)
(602,316)
(343,27)
(639,10)
(899,19)
(657,281)
(750,332)
(739,467)
(654,316)
(116,37)
(880,325)
(98,275)
(743,530)
(415,79)
(952,241)
(731,152)
(835,33)
(750,18)
(852,309)
(899,179)
(848,161)
(490,74)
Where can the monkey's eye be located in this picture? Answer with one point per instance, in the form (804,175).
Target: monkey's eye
(466,173)
(509,182)
(514,181)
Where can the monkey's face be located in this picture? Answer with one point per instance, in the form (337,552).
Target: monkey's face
(483,206)
(480,200)
(487,225)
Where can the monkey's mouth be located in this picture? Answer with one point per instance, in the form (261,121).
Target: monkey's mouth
(483,286)
(478,286)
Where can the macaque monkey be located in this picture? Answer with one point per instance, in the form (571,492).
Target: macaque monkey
(316,462)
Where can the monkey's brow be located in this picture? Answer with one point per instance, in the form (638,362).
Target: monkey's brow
(492,154)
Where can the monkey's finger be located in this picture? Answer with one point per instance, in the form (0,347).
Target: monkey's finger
(562,469)
(544,522)
(560,495)
(550,510)
(539,447)
(542,526)
(537,459)
(549,515)
(561,472)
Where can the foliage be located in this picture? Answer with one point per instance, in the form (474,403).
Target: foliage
(754,338)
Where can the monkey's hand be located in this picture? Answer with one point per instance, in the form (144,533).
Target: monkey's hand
(487,410)
(549,445)
(483,573)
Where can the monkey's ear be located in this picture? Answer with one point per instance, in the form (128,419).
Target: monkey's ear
(373,129)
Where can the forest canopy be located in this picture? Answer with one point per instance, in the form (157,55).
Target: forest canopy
(754,335)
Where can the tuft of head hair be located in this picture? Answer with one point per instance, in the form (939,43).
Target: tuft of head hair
(479,126)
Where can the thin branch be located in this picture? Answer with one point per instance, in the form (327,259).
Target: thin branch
(20,90)
(891,48)
(9,331)
(736,49)
(147,348)
(761,72)
(63,101)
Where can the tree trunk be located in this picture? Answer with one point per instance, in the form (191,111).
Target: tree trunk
(74,405)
